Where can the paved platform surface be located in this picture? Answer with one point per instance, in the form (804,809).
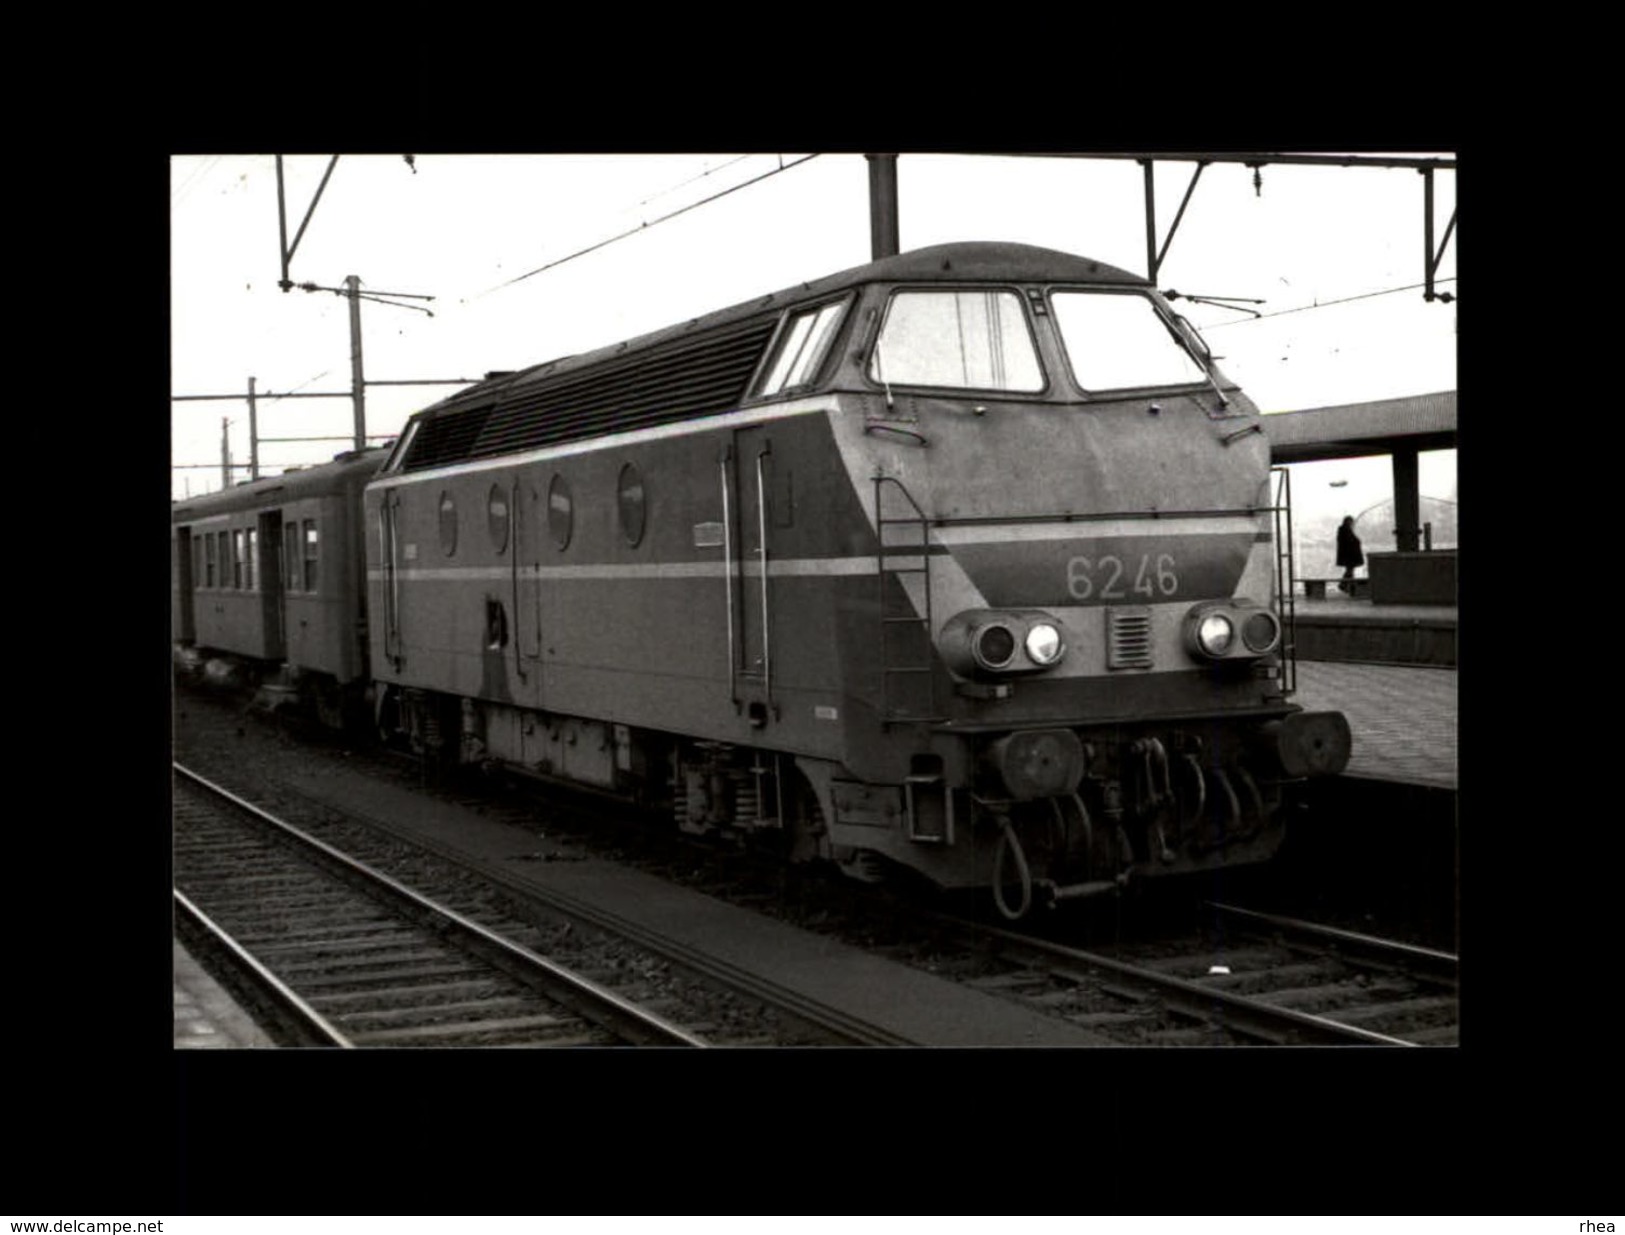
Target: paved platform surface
(1403,717)
(1336,605)
(206,1016)
(910,1003)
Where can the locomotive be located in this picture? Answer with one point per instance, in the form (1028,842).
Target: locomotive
(964,560)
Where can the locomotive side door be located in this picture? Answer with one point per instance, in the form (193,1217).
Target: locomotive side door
(751,566)
(525,587)
(389,548)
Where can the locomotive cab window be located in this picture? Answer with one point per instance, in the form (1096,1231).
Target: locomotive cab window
(968,340)
(1116,340)
(801,348)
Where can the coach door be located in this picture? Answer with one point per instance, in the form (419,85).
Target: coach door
(273,592)
(750,576)
(184,627)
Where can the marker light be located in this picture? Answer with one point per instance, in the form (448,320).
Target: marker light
(994,646)
(1260,631)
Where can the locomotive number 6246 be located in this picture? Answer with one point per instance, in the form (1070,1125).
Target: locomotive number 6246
(1110,578)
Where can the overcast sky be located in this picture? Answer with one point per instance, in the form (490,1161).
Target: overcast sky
(463,228)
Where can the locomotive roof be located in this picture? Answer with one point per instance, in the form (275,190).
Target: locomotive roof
(305,482)
(957,262)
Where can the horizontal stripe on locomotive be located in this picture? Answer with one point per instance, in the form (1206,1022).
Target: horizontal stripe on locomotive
(788,567)
(993,530)
(1107,570)
(613,441)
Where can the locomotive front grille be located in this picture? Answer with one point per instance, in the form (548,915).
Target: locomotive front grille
(1128,637)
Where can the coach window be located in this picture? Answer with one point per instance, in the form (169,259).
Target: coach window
(290,555)
(803,344)
(560,512)
(312,554)
(237,558)
(448,524)
(633,505)
(497,509)
(968,340)
(251,555)
(208,559)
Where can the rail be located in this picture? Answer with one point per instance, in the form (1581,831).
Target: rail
(582,996)
(294,1018)
(1252,1017)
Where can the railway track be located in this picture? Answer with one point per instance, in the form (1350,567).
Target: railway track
(360,959)
(1248,977)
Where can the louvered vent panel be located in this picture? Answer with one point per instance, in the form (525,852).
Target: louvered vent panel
(446,439)
(674,381)
(1128,637)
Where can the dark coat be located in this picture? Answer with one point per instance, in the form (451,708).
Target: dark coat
(1348,548)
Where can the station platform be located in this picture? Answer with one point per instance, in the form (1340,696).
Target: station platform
(1403,717)
(1337,627)
(206,1015)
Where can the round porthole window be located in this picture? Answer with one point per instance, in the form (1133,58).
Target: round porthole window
(497,510)
(560,511)
(633,504)
(448,524)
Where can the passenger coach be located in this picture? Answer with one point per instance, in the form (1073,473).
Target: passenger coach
(269,583)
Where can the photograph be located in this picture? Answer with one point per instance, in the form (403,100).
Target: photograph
(724,601)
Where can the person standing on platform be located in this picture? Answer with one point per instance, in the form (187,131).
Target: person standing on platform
(1349,553)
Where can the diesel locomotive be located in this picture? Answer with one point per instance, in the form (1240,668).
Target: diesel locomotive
(967,560)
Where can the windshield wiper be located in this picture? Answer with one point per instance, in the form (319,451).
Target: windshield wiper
(1202,354)
(880,372)
(1223,302)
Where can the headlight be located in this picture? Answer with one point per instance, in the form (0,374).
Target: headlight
(1044,645)
(1215,634)
(995,646)
(984,643)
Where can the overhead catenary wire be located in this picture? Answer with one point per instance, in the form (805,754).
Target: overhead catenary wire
(1323,304)
(593,248)
(683,184)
